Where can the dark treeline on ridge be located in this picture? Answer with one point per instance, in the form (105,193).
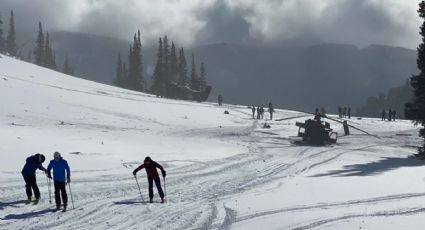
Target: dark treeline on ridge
(43,52)
(394,99)
(170,77)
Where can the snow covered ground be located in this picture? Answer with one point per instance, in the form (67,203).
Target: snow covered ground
(224,171)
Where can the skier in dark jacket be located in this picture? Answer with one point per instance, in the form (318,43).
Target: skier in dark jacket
(150,166)
(253,112)
(271,110)
(28,172)
(349,112)
(59,166)
(220,100)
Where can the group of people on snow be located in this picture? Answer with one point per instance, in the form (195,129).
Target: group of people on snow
(260,111)
(62,177)
(344,112)
(391,115)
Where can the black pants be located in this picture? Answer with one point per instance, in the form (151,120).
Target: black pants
(158,186)
(60,188)
(30,185)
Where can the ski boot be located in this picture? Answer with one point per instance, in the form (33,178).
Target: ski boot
(58,207)
(36,201)
(162,200)
(64,208)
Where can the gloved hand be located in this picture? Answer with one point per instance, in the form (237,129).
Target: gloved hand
(69,180)
(164,173)
(134,173)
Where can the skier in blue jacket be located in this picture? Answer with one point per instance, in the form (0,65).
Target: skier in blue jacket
(28,172)
(59,166)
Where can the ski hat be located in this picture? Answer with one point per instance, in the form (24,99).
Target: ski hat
(148,159)
(41,157)
(56,155)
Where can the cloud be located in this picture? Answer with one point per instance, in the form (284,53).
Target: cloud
(272,22)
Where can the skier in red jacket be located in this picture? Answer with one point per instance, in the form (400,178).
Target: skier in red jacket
(150,166)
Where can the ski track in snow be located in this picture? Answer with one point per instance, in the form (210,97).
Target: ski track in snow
(197,189)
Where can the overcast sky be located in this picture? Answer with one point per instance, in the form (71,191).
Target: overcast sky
(191,22)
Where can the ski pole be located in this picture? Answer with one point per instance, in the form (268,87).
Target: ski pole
(139,188)
(165,191)
(49,188)
(70,192)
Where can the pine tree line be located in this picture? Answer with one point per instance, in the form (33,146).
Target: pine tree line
(8,43)
(171,70)
(131,78)
(43,52)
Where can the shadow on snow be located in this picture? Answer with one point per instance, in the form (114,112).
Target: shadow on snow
(374,168)
(11,204)
(27,215)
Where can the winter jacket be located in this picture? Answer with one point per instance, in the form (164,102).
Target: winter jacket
(32,164)
(150,169)
(59,167)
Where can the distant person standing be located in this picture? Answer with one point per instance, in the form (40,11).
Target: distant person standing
(253,112)
(346,129)
(349,112)
(383,115)
(394,114)
(258,112)
(345,112)
(262,112)
(390,113)
(339,112)
(271,110)
(323,111)
(28,172)
(220,100)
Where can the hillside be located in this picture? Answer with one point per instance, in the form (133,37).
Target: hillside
(223,171)
(333,74)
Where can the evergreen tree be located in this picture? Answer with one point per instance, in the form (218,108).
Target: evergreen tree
(66,68)
(416,109)
(202,78)
(39,49)
(174,66)
(119,72)
(166,62)
(194,81)
(49,56)
(29,56)
(135,78)
(182,69)
(2,41)
(11,36)
(157,81)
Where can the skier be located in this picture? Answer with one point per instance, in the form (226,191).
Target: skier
(349,112)
(220,100)
(253,112)
(346,128)
(59,166)
(390,113)
(150,166)
(271,110)
(258,112)
(262,112)
(28,172)
(383,115)
(339,112)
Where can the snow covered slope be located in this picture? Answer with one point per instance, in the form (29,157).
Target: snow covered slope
(224,171)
